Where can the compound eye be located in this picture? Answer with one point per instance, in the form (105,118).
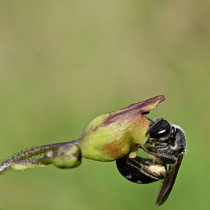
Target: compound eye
(159,129)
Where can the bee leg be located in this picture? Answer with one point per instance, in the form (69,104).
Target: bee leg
(140,170)
(160,153)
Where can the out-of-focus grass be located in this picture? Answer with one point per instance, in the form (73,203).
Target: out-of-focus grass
(63,63)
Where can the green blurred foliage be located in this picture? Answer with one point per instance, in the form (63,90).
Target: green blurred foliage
(62,63)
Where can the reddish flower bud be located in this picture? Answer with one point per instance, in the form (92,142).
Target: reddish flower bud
(110,136)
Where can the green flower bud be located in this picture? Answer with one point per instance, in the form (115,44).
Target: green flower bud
(110,136)
(67,156)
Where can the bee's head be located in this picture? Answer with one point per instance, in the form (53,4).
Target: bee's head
(160,130)
(166,141)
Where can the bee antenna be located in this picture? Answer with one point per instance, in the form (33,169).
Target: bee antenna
(150,120)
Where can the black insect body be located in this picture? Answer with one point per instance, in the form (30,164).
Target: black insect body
(140,170)
(166,145)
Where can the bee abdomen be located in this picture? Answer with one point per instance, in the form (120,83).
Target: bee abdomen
(139,170)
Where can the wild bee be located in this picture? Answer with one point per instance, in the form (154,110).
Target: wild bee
(166,146)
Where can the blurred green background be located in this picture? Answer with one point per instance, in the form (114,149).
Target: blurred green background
(62,63)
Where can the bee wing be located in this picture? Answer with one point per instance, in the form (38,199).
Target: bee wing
(169,182)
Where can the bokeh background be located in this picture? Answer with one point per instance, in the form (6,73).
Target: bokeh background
(62,63)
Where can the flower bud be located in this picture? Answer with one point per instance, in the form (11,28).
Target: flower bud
(110,136)
(67,156)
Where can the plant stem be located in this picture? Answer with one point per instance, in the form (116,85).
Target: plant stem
(30,156)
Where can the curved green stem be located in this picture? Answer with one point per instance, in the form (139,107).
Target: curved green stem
(31,157)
